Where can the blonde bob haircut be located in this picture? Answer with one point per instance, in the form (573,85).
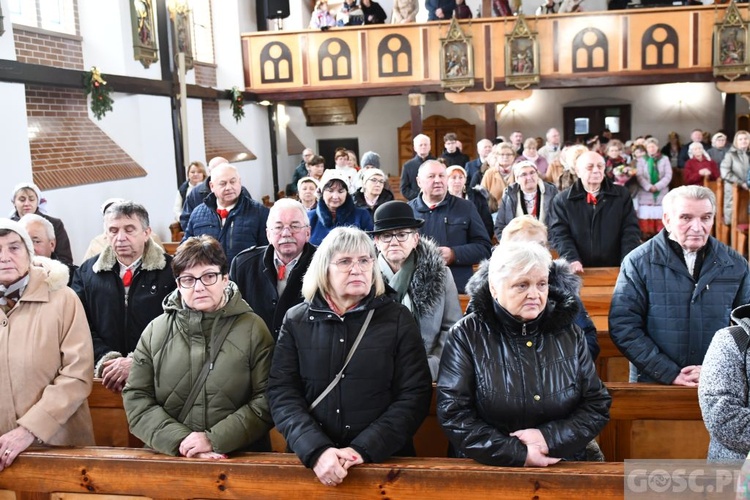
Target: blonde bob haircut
(520,227)
(349,240)
(517,259)
(737,135)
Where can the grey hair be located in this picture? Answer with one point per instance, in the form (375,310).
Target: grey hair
(651,140)
(692,147)
(339,240)
(32,218)
(127,209)
(691,193)
(421,136)
(517,259)
(429,163)
(283,204)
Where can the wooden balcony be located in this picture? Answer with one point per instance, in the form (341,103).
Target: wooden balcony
(626,47)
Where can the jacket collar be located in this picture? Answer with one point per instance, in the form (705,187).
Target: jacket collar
(153,258)
(342,213)
(421,206)
(45,276)
(578,192)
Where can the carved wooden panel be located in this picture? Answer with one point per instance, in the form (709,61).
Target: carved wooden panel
(435,127)
(590,51)
(334,60)
(394,56)
(276,63)
(660,47)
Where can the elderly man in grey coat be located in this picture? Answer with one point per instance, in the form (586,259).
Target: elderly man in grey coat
(414,268)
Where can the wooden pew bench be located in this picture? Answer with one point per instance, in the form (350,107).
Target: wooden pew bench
(51,474)
(626,436)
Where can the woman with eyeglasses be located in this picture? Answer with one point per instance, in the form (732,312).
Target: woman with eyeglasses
(335,208)
(414,267)
(198,380)
(349,380)
(372,193)
(528,195)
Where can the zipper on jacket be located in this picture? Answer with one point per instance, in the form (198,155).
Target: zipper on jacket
(523,330)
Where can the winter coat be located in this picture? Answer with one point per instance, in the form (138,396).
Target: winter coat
(447,6)
(598,235)
(478,196)
(499,375)
(359,200)
(405,11)
(723,392)
(244,227)
(510,208)
(645,197)
(383,396)
(540,161)
(560,278)
(409,187)
(457,157)
(661,319)
(193,199)
(455,223)
(254,272)
(374,14)
(690,174)
(115,326)
(734,168)
(433,296)
(62,241)
(717,154)
(47,362)
(231,408)
(321,220)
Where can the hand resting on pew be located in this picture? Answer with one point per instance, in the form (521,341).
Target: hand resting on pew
(333,465)
(688,376)
(536,446)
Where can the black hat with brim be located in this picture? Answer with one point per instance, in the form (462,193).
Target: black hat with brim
(394,215)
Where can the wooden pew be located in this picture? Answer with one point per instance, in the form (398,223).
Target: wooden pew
(631,433)
(51,474)
(676,407)
(170,246)
(722,230)
(394,181)
(739,225)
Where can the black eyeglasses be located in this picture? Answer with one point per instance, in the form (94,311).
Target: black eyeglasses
(207,279)
(400,236)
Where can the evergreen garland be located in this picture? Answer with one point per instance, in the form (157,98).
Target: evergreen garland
(236,103)
(95,85)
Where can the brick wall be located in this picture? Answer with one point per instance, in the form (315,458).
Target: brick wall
(205,74)
(67,148)
(40,47)
(219,141)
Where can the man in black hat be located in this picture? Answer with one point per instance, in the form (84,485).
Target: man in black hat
(414,267)
(453,223)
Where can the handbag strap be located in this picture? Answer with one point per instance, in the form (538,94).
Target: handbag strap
(346,362)
(207,367)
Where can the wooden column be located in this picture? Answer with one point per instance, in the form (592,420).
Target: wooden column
(416,104)
(490,121)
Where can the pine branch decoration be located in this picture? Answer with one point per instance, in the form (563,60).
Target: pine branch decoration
(236,103)
(94,84)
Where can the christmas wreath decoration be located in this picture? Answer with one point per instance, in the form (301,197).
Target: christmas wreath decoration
(236,103)
(95,85)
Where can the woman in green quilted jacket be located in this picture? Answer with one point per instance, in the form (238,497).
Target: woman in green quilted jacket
(198,382)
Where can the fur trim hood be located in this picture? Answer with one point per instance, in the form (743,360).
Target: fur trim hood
(425,288)
(153,258)
(57,273)
(562,306)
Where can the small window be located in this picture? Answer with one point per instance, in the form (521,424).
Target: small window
(581,126)
(203,39)
(612,123)
(52,15)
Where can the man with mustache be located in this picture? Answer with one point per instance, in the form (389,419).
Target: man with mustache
(270,277)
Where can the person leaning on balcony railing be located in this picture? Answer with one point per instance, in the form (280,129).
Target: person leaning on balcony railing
(404,11)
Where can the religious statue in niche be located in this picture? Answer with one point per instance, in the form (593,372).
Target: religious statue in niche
(456,59)
(731,59)
(521,56)
(144,34)
(182,41)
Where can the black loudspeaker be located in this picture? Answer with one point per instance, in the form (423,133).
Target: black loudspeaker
(277,9)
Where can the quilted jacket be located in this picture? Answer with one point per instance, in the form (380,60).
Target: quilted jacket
(383,396)
(232,408)
(321,221)
(661,318)
(245,226)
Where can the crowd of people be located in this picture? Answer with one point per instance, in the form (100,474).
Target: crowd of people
(330,315)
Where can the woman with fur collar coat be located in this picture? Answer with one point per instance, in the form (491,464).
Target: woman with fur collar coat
(47,366)
(414,268)
(517,386)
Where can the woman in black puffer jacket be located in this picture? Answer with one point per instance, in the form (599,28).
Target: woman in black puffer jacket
(517,386)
